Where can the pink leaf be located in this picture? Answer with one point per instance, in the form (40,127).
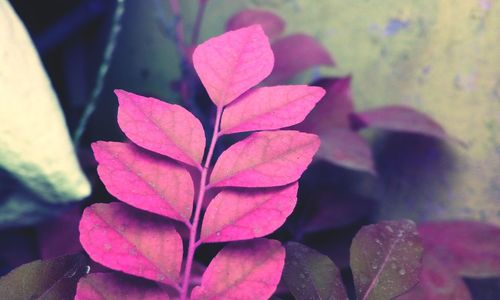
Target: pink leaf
(145,181)
(161,127)
(386,259)
(469,248)
(265,159)
(110,286)
(272,24)
(346,148)
(244,270)
(334,109)
(270,108)
(245,214)
(437,282)
(400,118)
(125,239)
(232,63)
(297,53)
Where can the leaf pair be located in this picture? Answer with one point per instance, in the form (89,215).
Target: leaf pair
(385,262)
(257,177)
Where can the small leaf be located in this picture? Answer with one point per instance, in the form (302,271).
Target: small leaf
(399,118)
(272,24)
(468,248)
(265,159)
(230,64)
(437,282)
(243,270)
(161,127)
(346,148)
(385,259)
(334,109)
(297,53)
(270,108)
(309,274)
(125,239)
(110,286)
(44,279)
(245,214)
(148,182)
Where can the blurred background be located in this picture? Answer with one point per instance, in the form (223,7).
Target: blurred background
(440,57)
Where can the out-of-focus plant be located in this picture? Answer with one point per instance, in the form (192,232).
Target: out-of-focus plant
(42,172)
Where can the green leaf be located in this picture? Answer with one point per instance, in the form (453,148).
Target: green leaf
(309,274)
(386,259)
(44,279)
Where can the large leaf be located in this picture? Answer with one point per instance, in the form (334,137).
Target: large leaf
(309,274)
(245,214)
(297,53)
(44,279)
(437,282)
(232,63)
(145,181)
(272,24)
(34,142)
(128,240)
(111,286)
(270,108)
(265,159)
(400,118)
(386,259)
(243,270)
(468,248)
(161,127)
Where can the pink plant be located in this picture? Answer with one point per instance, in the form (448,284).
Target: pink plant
(256,181)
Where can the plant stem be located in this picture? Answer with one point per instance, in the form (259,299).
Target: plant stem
(197,23)
(199,203)
(101,74)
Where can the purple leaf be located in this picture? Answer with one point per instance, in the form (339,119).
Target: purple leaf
(437,282)
(270,108)
(468,248)
(309,274)
(386,259)
(245,214)
(272,24)
(297,53)
(346,148)
(265,159)
(399,118)
(335,108)
(128,240)
(148,182)
(243,270)
(109,286)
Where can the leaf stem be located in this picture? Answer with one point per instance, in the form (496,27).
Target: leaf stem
(197,23)
(102,72)
(193,244)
